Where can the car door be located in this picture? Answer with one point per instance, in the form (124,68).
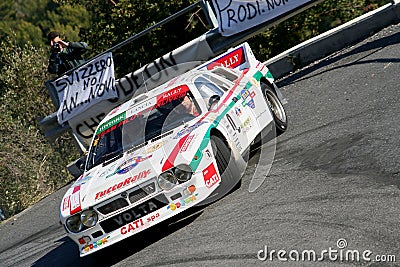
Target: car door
(213,92)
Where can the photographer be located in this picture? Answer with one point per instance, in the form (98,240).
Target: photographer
(64,56)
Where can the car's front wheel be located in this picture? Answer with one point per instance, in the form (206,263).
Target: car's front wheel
(276,107)
(230,175)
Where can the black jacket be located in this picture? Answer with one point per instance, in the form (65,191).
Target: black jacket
(68,58)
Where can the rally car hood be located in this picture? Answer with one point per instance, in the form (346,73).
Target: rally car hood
(134,167)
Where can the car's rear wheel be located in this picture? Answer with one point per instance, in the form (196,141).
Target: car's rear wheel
(276,107)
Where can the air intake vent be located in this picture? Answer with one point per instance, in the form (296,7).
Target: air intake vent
(112,206)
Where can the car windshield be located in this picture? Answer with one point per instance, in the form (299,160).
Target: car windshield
(144,121)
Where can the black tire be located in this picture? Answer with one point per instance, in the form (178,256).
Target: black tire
(276,107)
(226,166)
(221,152)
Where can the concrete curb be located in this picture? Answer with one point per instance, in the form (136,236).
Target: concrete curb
(334,40)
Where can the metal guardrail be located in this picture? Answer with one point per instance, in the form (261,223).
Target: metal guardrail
(334,40)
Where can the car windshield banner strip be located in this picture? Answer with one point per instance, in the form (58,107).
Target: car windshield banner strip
(111,122)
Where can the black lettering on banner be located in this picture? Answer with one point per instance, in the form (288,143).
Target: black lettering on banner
(90,124)
(238,13)
(124,87)
(172,62)
(86,84)
(61,85)
(126,91)
(221,10)
(68,107)
(80,132)
(242,13)
(83,71)
(272,3)
(163,65)
(157,75)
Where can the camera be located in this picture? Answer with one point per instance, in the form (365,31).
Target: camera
(56,47)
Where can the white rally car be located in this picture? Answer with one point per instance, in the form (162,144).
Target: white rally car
(170,149)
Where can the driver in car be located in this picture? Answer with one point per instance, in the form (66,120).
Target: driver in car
(187,106)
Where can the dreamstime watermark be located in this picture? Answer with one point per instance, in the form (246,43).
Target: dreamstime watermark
(339,253)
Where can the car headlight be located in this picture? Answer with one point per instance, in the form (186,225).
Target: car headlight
(167,180)
(81,221)
(89,218)
(183,173)
(74,223)
(180,174)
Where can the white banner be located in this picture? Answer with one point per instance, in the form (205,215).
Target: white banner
(84,87)
(238,15)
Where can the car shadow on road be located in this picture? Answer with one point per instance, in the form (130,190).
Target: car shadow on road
(67,254)
(373,47)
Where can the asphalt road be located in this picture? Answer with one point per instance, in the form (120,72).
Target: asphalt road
(336,176)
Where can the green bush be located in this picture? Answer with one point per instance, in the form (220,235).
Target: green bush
(30,167)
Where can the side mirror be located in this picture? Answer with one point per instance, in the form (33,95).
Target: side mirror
(77,167)
(213,101)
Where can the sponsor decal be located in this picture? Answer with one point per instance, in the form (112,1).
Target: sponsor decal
(234,135)
(248,98)
(188,129)
(137,213)
(111,122)
(124,167)
(172,94)
(132,226)
(75,200)
(253,81)
(126,182)
(95,245)
(232,123)
(155,147)
(210,176)
(208,154)
(244,94)
(83,180)
(189,190)
(187,143)
(251,104)
(66,203)
(130,164)
(183,202)
(138,224)
(238,111)
(108,170)
(231,60)
(141,107)
(152,218)
(246,125)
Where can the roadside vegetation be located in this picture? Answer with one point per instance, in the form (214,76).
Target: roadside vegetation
(30,166)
